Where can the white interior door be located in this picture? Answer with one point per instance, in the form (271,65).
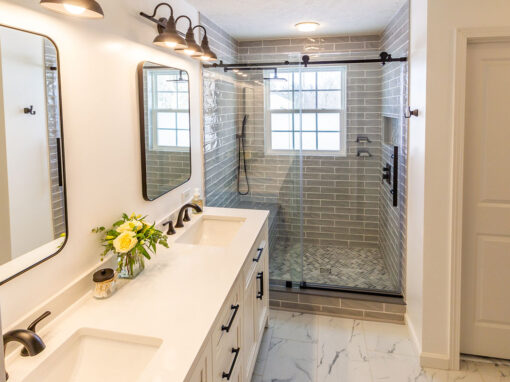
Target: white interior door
(486,222)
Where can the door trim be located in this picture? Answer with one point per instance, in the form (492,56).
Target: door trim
(462,38)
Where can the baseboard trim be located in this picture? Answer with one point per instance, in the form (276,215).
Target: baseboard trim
(412,331)
(435,360)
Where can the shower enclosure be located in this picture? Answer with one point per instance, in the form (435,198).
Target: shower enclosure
(323,147)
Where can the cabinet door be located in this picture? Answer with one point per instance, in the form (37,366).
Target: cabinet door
(249,340)
(203,369)
(261,299)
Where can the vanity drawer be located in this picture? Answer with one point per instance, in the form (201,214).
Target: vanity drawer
(229,316)
(227,356)
(256,256)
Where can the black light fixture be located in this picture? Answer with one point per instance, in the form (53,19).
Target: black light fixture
(192,49)
(207,53)
(169,36)
(89,9)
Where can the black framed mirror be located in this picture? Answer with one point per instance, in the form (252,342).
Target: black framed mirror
(33,217)
(164,128)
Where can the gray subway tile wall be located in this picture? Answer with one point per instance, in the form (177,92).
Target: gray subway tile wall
(54,124)
(344,203)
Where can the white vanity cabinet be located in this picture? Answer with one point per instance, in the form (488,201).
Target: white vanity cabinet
(231,348)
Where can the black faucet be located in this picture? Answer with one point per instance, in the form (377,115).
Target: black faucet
(30,341)
(183,214)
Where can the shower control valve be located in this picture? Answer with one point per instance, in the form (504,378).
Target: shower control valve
(386,175)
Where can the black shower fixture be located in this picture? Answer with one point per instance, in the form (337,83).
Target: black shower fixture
(89,9)
(169,37)
(275,76)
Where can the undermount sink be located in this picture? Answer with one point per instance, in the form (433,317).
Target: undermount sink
(97,355)
(210,230)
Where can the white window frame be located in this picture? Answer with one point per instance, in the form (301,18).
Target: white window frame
(153,111)
(342,111)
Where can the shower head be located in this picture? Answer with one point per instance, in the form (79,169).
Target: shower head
(179,79)
(275,77)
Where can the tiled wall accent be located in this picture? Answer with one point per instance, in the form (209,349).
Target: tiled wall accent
(386,309)
(220,122)
(395,39)
(165,170)
(53,122)
(340,194)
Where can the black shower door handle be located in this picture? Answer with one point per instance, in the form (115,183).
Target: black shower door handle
(260,277)
(59,163)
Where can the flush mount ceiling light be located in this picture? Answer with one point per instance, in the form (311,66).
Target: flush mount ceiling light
(81,8)
(307,26)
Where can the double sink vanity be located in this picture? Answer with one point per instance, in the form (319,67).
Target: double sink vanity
(196,314)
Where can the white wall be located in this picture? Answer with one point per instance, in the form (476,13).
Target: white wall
(435,216)
(416,165)
(99,59)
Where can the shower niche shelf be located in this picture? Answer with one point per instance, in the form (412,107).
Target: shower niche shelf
(391,130)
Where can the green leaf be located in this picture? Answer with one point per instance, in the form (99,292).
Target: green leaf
(144,252)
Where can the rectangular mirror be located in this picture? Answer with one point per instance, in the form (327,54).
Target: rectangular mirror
(33,219)
(164,128)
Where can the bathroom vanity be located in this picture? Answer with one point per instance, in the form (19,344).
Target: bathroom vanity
(197,313)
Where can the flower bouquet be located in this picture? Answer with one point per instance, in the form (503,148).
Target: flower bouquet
(131,239)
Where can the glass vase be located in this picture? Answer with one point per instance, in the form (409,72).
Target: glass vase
(130,265)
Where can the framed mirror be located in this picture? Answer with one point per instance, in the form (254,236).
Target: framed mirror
(33,218)
(164,128)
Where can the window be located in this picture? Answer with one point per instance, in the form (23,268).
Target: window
(306,112)
(168,109)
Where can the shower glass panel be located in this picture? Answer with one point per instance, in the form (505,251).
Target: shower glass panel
(324,149)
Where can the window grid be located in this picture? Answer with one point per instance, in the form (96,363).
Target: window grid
(295,111)
(156,110)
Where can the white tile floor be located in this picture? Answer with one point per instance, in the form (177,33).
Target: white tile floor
(301,347)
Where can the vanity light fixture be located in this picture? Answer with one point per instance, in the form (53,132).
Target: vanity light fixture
(171,38)
(307,26)
(89,9)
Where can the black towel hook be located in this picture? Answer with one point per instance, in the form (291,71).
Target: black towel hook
(29,110)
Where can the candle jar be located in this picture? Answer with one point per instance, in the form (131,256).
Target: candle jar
(105,281)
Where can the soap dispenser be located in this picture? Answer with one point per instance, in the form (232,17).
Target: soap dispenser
(197,200)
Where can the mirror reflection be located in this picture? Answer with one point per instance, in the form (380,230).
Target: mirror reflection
(32,194)
(165,128)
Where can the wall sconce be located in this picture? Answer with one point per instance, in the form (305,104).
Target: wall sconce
(170,37)
(89,9)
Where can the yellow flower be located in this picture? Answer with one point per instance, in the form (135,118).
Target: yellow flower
(125,242)
(130,225)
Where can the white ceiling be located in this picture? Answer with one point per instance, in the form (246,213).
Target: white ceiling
(254,19)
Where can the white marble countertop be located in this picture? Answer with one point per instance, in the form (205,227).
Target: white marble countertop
(175,299)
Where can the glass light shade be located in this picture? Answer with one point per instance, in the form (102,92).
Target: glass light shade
(170,40)
(81,8)
(307,26)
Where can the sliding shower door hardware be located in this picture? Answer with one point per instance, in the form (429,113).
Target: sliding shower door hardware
(384,57)
(386,175)
(410,113)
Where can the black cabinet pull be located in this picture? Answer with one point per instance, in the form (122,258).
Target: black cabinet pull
(235,308)
(260,277)
(260,251)
(229,374)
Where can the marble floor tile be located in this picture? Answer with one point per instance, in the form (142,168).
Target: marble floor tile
(396,368)
(493,372)
(388,338)
(294,326)
(307,348)
(340,338)
(289,360)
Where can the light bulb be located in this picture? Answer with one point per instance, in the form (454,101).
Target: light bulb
(73,9)
(205,58)
(171,44)
(189,52)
